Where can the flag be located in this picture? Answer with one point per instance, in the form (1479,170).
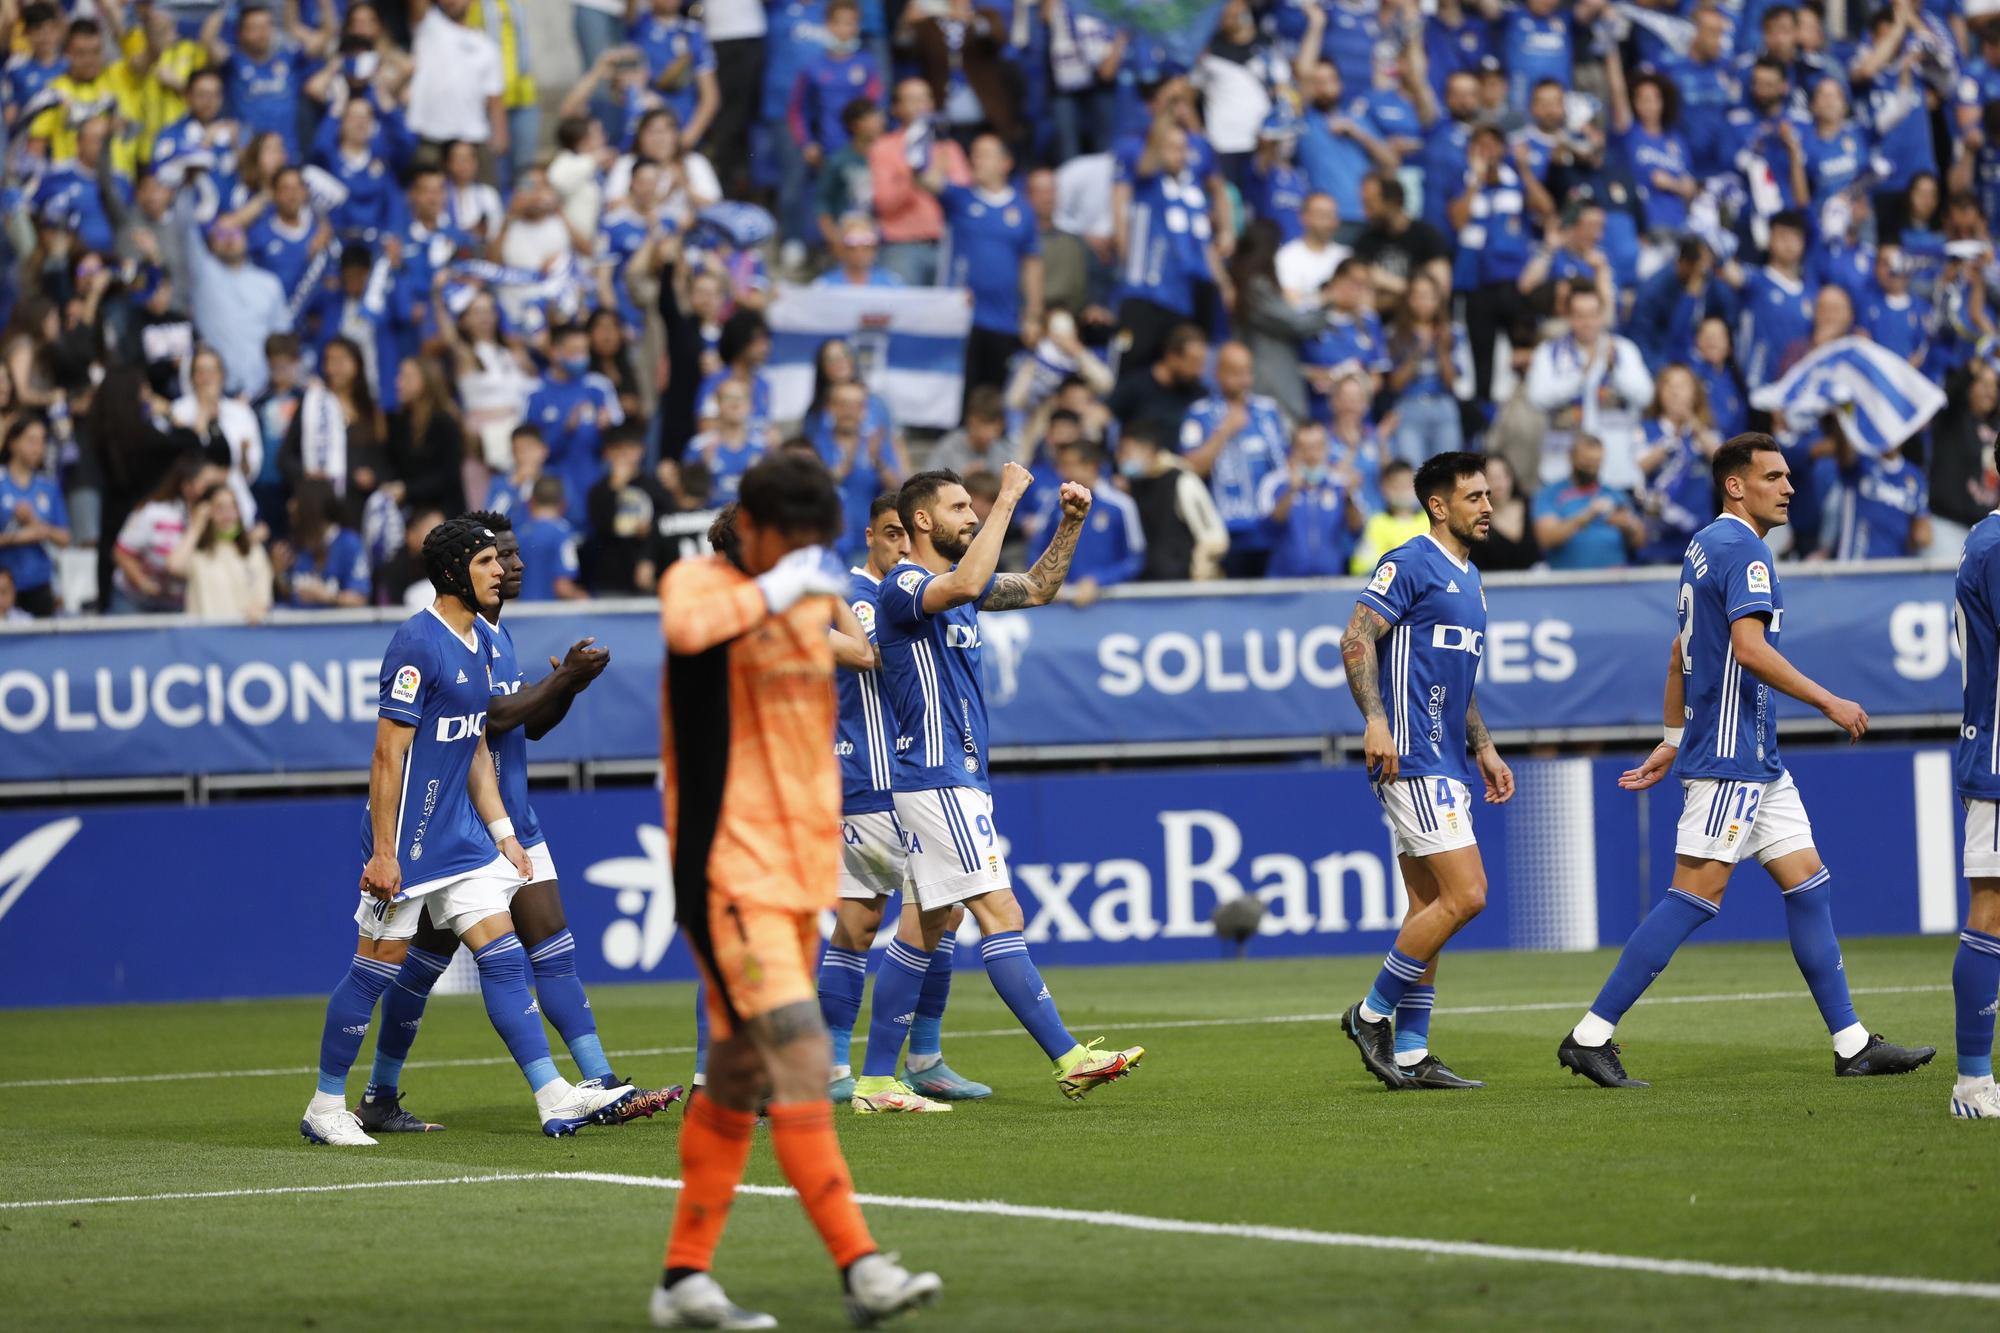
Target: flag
(909,345)
(1181,27)
(1676,34)
(1880,399)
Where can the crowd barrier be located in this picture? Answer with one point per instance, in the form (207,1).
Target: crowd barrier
(153,902)
(1182,666)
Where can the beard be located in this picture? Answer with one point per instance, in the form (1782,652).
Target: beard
(954,547)
(1473,533)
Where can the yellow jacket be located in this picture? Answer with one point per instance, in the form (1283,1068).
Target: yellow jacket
(1383,533)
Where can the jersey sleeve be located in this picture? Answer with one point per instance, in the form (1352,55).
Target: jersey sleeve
(409,676)
(900,598)
(1746,585)
(1393,590)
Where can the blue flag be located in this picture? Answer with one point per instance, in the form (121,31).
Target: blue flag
(1181,27)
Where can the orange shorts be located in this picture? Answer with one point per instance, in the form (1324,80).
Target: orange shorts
(756,960)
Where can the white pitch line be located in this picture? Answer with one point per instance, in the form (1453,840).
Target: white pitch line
(861,1038)
(1347,1240)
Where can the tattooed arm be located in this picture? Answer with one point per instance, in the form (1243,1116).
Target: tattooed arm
(1493,770)
(1039,586)
(1357,650)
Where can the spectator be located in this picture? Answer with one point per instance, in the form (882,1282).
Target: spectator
(1342,143)
(1273,329)
(733,442)
(1170,272)
(1893,317)
(1352,343)
(288,242)
(91,78)
(1878,506)
(1714,364)
(1306,265)
(982,443)
(736,29)
(1590,380)
(861,454)
(228,430)
(1238,77)
(1085,54)
(1185,536)
(1490,217)
(325,563)
(744,345)
(826,83)
(401,581)
(1422,356)
(495,378)
(576,173)
(224,564)
(1676,491)
(912,219)
(1398,519)
(549,547)
(1580,523)
(30,71)
(426,442)
(623,507)
(536,235)
(133,445)
(1273,187)
(857,244)
(1309,510)
(1112,547)
(266,73)
(611,359)
(1070,271)
(845,185)
(236,306)
(456,91)
(1170,386)
(276,410)
(1510,545)
(32,516)
(1652,149)
(687,183)
(996,253)
(1707,88)
(1963,485)
(572,408)
(1570,257)
(337,436)
(680,528)
(153,532)
(961,54)
(473,206)
(680,66)
(1395,246)
(508,494)
(1777,306)
(1057,359)
(355,305)
(371,205)
(1671,304)
(70,197)
(1235,440)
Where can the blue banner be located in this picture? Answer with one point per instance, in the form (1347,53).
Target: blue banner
(1193,667)
(159,902)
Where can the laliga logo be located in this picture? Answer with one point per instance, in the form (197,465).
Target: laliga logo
(645,888)
(1005,639)
(21,863)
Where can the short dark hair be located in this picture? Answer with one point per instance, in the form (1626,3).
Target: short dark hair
(1736,453)
(739,331)
(919,491)
(1150,431)
(571,131)
(1440,473)
(82,28)
(206,72)
(882,504)
(793,494)
(625,432)
(1389,188)
(356,255)
(1543,83)
(1582,289)
(548,492)
(486,518)
(856,111)
(982,485)
(528,430)
(282,345)
(1791,218)
(38,13)
(1179,339)
(985,403)
(722,537)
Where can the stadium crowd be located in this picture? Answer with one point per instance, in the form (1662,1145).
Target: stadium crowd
(285,284)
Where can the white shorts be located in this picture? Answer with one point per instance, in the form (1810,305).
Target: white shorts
(1428,815)
(456,906)
(1982,839)
(952,850)
(1728,821)
(544,863)
(871,855)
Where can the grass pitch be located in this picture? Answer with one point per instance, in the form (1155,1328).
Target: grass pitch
(1747,1152)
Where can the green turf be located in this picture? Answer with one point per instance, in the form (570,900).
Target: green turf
(1746,1151)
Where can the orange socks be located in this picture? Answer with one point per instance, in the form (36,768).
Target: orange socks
(809,1155)
(715,1143)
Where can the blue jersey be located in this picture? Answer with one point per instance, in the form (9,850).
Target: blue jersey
(438,683)
(1534,49)
(1900,323)
(1334,163)
(991,234)
(1353,31)
(1725,397)
(1493,243)
(68,197)
(1166,250)
(286,253)
(1648,153)
(1444,162)
(1278,194)
(1239,469)
(1777,325)
(374,204)
(861,739)
(1314,540)
(1708,93)
(30,564)
(548,549)
(666,40)
(1833,163)
(1871,506)
(344,568)
(797,35)
(24,78)
(264,96)
(1732,725)
(510,751)
(935,690)
(1436,611)
(1679,492)
(1978,606)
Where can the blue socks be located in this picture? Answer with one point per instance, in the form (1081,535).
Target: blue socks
(898,984)
(927,1033)
(1014,976)
(563,1000)
(347,1013)
(1648,952)
(843,974)
(1809,921)
(1413,1020)
(1975,990)
(503,984)
(1399,973)
(402,1013)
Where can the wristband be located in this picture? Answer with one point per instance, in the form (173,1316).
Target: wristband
(501,829)
(1672,736)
